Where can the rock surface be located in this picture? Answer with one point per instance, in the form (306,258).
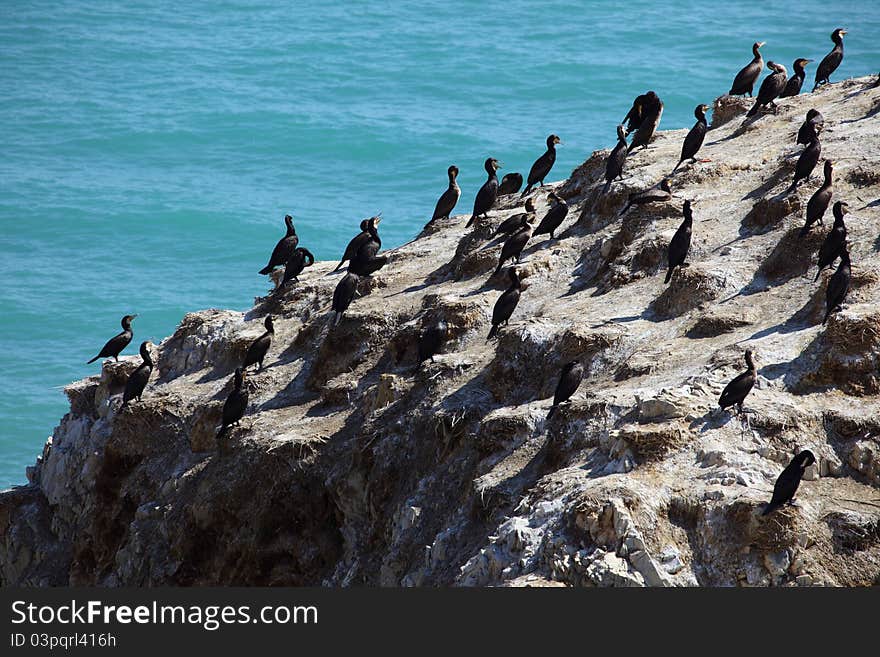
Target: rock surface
(354,465)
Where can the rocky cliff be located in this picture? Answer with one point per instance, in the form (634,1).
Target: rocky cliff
(353,465)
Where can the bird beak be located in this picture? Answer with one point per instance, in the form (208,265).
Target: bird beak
(761,44)
(844,32)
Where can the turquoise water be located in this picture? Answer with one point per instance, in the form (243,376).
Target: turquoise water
(149,153)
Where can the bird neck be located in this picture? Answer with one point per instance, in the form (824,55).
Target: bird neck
(146,356)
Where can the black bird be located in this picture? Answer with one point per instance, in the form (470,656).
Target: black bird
(832,60)
(541,168)
(788,481)
(657,193)
(635,116)
(616,159)
(694,140)
(807,162)
(737,390)
(138,379)
(431,340)
(796,81)
(446,202)
(510,184)
(819,201)
(257,350)
(284,248)
(117,343)
(838,285)
(298,261)
(652,110)
(355,244)
(514,244)
(554,217)
(344,294)
(569,380)
(488,193)
(745,80)
(514,222)
(681,241)
(835,241)
(771,87)
(365,262)
(235,404)
(812,126)
(506,304)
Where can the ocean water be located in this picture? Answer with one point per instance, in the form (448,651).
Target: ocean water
(149,150)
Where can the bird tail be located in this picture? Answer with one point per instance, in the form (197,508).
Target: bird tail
(492,332)
(677,165)
(265,270)
(552,411)
(606,187)
(337,318)
(754,109)
(527,190)
(668,275)
(94,359)
(770,508)
(804,231)
(339,266)
(817,275)
(471,221)
(625,208)
(498,268)
(222,433)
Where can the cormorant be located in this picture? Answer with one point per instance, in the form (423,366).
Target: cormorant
(488,193)
(694,140)
(681,241)
(431,340)
(514,244)
(835,241)
(807,162)
(838,285)
(235,404)
(541,168)
(355,244)
(745,80)
(635,116)
(812,126)
(615,161)
(514,222)
(117,343)
(138,379)
(832,60)
(365,262)
(298,261)
(344,294)
(506,304)
(657,193)
(796,81)
(570,378)
(788,481)
(735,392)
(510,184)
(554,217)
(771,87)
(284,248)
(819,201)
(652,110)
(257,350)
(446,202)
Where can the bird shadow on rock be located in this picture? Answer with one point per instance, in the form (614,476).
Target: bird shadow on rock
(295,392)
(783,172)
(712,419)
